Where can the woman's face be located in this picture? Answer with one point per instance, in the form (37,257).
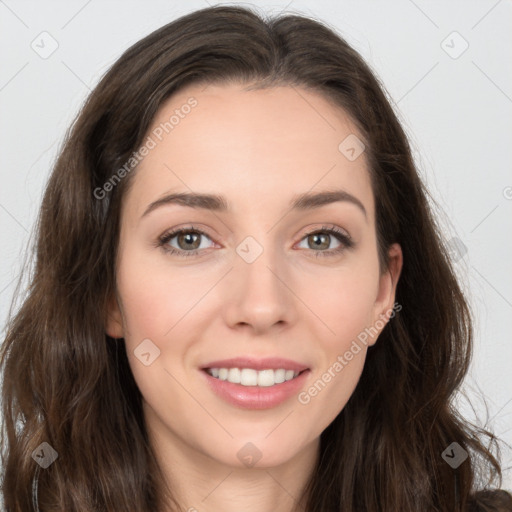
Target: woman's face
(261,277)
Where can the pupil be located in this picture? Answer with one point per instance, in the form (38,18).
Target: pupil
(189,238)
(318,241)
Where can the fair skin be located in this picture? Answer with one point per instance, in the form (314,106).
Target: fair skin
(258,149)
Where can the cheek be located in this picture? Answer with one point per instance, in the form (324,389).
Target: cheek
(167,306)
(155,302)
(343,300)
(155,297)
(330,389)
(346,311)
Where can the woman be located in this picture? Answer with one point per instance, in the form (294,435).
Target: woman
(300,354)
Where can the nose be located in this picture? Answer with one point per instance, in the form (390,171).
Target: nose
(260,295)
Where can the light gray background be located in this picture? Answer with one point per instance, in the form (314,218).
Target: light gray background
(457,112)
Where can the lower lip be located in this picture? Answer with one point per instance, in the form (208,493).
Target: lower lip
(256,397)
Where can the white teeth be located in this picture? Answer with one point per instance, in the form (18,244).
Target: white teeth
(266,378)
(279,376)
(250,377)
(234,375)
(289,375)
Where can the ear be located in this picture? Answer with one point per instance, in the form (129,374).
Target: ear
(384,304)
(114,320)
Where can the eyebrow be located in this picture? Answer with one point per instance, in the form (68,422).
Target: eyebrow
(217,203)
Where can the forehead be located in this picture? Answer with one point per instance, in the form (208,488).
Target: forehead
(260,145)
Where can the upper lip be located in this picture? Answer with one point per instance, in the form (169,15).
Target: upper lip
(257,364)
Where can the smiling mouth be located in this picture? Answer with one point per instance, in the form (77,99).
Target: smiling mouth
(250,377)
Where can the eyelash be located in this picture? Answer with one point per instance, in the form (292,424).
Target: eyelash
(343,238)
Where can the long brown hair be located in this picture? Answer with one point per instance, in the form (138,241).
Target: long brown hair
(69,384)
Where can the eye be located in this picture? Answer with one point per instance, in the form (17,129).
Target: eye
(188,241)
(321,239)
